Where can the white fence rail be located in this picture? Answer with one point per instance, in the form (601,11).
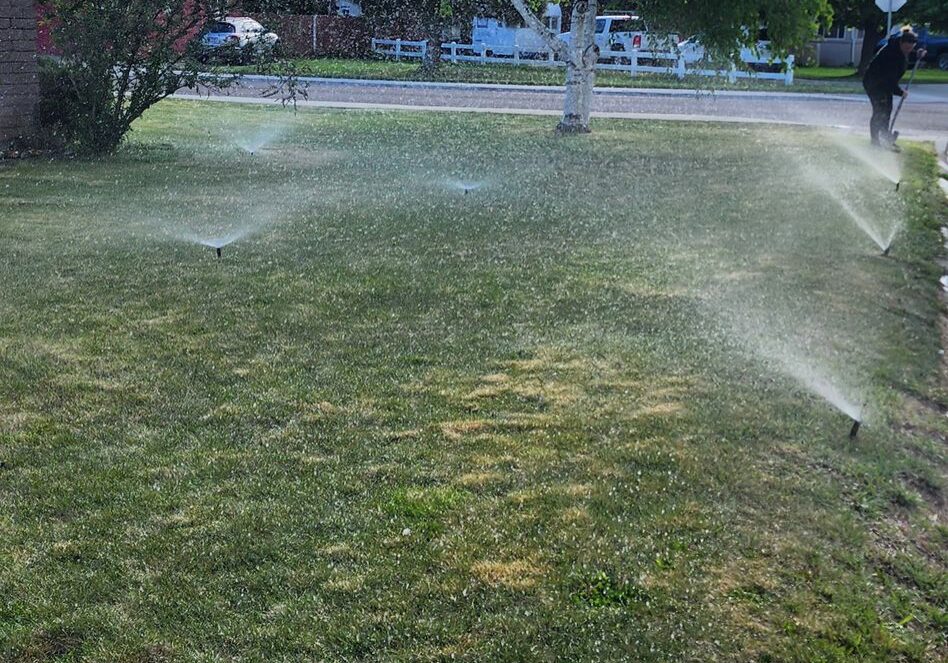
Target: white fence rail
(634,61)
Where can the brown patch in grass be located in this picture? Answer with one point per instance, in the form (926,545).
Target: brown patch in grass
(576,515)
(345,582)
(336,551)
(456,430)
(518,574)
(50,645)
(667,409)
(157,653)
(578,490)
(14,422)
(478,479)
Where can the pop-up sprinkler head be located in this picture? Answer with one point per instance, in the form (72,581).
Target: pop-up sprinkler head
(218,249)
(854,431)
(885,251)
(897,185)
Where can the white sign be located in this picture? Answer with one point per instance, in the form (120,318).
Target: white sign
(890,5)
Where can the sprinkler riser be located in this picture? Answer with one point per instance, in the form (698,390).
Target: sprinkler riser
(854,431)
(218,249)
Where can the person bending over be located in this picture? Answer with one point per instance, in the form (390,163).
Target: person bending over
(881,83)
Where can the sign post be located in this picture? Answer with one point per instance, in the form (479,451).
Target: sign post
(889,6)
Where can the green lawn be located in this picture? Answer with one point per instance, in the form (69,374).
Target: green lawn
(808,79)
(378,69)
(926,75)
(397,422)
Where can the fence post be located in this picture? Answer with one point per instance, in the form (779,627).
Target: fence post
(483,53)
(550,54)
(680,66)
(314,36)
(732,74)
(424,50)
(398,50)
(634,62)
(454,52)
(788,75)
(516,54)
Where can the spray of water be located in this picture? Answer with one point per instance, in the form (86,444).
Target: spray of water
(831,185)
(222,220)
(790,357)
(467,186)
(883,162)
(254,139)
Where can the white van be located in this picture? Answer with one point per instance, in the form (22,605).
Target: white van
(498,38)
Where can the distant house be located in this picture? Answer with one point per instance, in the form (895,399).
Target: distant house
(348,8)
(838,46)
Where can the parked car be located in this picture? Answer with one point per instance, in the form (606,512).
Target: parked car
(236,38)
(758,57)
(625,32)
(935,45)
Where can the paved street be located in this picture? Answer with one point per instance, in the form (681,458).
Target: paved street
(925,114)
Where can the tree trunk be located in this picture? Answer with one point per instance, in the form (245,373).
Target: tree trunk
(432,58)
(581,58)
(872,34)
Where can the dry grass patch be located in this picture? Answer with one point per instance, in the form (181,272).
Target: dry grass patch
(576,515)
(478,479)
(518,574)
(457,430)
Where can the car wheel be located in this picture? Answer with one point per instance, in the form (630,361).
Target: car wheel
(943,61)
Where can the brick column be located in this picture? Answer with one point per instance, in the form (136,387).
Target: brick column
(19,89)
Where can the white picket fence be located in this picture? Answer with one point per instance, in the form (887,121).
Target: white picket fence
(634,62)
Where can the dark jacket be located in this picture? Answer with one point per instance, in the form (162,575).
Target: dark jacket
(886,70)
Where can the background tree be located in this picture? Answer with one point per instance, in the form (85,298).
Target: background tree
(722,26)
(865,15)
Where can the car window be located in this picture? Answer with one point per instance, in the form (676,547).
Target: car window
(218,28)
(628,25)
(600,25)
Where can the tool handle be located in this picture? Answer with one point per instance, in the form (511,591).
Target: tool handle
(902,100)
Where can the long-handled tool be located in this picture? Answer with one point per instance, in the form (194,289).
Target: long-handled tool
(894,135)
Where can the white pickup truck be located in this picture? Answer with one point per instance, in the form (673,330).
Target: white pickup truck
(625,32)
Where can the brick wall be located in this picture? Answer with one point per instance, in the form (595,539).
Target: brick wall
(19,89)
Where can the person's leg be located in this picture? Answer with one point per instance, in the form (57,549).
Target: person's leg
(879,124)
(885,113)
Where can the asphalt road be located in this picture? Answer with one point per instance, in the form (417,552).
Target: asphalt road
(924,116)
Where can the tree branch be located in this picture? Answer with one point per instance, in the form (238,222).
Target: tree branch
(551,39)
